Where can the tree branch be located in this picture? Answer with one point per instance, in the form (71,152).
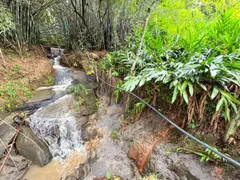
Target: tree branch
(142,37)
(84,22)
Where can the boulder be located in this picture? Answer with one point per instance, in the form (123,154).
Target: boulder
(177,165)
(79,77)
(107,155)
(90,98)
(42,94)
(33,148)
(112,159)
(7,131)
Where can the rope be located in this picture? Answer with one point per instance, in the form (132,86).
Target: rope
(228,159)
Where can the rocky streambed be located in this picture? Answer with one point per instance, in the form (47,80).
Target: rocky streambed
(85,137)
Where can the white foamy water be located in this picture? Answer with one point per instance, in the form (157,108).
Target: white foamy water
(58,127)
(63,74)
(54,123)
(60,133)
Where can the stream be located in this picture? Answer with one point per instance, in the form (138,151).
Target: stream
(59,130)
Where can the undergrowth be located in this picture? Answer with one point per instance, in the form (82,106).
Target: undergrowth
(197,61)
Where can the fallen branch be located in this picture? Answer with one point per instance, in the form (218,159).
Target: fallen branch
(10,155)
(10,149)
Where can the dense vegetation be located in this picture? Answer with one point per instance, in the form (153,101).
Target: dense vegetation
(192,50)
(181,55)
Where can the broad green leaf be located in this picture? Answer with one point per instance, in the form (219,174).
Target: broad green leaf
(185,96)
(190,86)
(184,86)
(142,82)
(214,92)
(175,93)
(220,103)
(233,106)
(203,86)
(227,111)
(229,96)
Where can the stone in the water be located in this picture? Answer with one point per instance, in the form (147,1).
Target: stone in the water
(42,94)
(6,132)
(79,77)
(33,148)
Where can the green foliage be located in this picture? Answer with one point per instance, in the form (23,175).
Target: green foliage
(6,20)
(17,68)
(78,89)
(14,92)
(80,101)
(108,175)
(115,134)
(206,155)
(118,91)
(149,177)
(49,81)
(192,125)
(190,48)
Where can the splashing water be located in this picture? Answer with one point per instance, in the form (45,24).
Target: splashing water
(54,123)
(63,74)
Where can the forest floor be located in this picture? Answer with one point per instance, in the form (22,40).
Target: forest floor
(19,76)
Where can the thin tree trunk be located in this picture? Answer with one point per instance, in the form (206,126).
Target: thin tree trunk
(142,37)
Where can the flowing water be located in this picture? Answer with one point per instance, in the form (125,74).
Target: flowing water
(59,130)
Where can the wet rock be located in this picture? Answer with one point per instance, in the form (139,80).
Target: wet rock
(42,94)
(59,107)
(81,122)
(33,148)
(90,99)
(79,77)
(56,52)
(111,158)
(176,165)
(107,155)
(7,132)
(88,132)
(57,124)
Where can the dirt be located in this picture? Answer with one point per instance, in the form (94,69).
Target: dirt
(22,74)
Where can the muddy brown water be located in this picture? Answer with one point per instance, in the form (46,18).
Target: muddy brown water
(56,169)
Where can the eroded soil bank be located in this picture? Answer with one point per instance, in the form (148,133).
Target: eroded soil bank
(19,76)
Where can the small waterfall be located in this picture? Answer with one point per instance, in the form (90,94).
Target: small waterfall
(63,74)
(54,123)
(58,129)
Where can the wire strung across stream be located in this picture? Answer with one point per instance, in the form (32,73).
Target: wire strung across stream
(232,161)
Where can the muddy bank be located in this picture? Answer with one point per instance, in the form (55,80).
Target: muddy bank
(19,76)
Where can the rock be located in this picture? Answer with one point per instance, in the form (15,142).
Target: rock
(111,158)
(90,100)
(81,121)
(59,107)
(79,77)
(33,148)
(56,52)
(42,94)
(88,132)
(107,155)
(176,165)
(7,132)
